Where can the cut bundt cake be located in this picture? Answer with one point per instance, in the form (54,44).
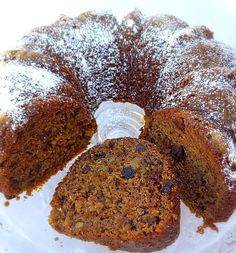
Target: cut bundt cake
(122,194)
(43,124)
(178,74)
(198,133)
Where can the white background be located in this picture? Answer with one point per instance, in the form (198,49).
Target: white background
(18,16)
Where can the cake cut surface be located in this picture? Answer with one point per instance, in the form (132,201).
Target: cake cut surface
(197,132)
(121,193)
(43,124)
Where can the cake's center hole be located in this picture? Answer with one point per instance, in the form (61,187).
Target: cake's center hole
(116,120)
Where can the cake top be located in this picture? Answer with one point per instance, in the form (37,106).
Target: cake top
(181,51)
(87,44)
(92,46)
(21,84)
(206,91)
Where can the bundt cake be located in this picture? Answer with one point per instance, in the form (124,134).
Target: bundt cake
(121,193)
(180,76)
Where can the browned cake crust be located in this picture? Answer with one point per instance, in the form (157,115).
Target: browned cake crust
(57,128)
(197,151)
(42,60)
(57,131)
(199,136)
(89,45)
(121,193)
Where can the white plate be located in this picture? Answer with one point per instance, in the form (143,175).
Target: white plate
(23,225)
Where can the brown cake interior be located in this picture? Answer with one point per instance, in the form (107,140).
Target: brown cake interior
(51,137)
(195,150)
(119,197)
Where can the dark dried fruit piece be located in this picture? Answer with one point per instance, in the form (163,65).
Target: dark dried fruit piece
(152,176)
(145,210)
(178,153)
(132,225)
(44,136)
(140,148)
(99,155)
(153,220)
(87,168)
(62,199)
(128,172)
(167,186)
(151,161)
(9,197)
(180,124)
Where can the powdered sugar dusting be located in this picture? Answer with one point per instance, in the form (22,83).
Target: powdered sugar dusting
(98,55)
(212,94)
(170,63)
(209,92)
(157,33)
(192,55)
(232,154)
(172,49)
(88,45)
(229,162)
(154,37)
(21,84)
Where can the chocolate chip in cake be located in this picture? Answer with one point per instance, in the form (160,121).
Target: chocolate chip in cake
(99,155)
(87,168)
(167,186)
(140,148)
(178,153)
(128,172)
(153,220)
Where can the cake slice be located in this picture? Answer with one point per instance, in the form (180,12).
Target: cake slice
(122,194)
